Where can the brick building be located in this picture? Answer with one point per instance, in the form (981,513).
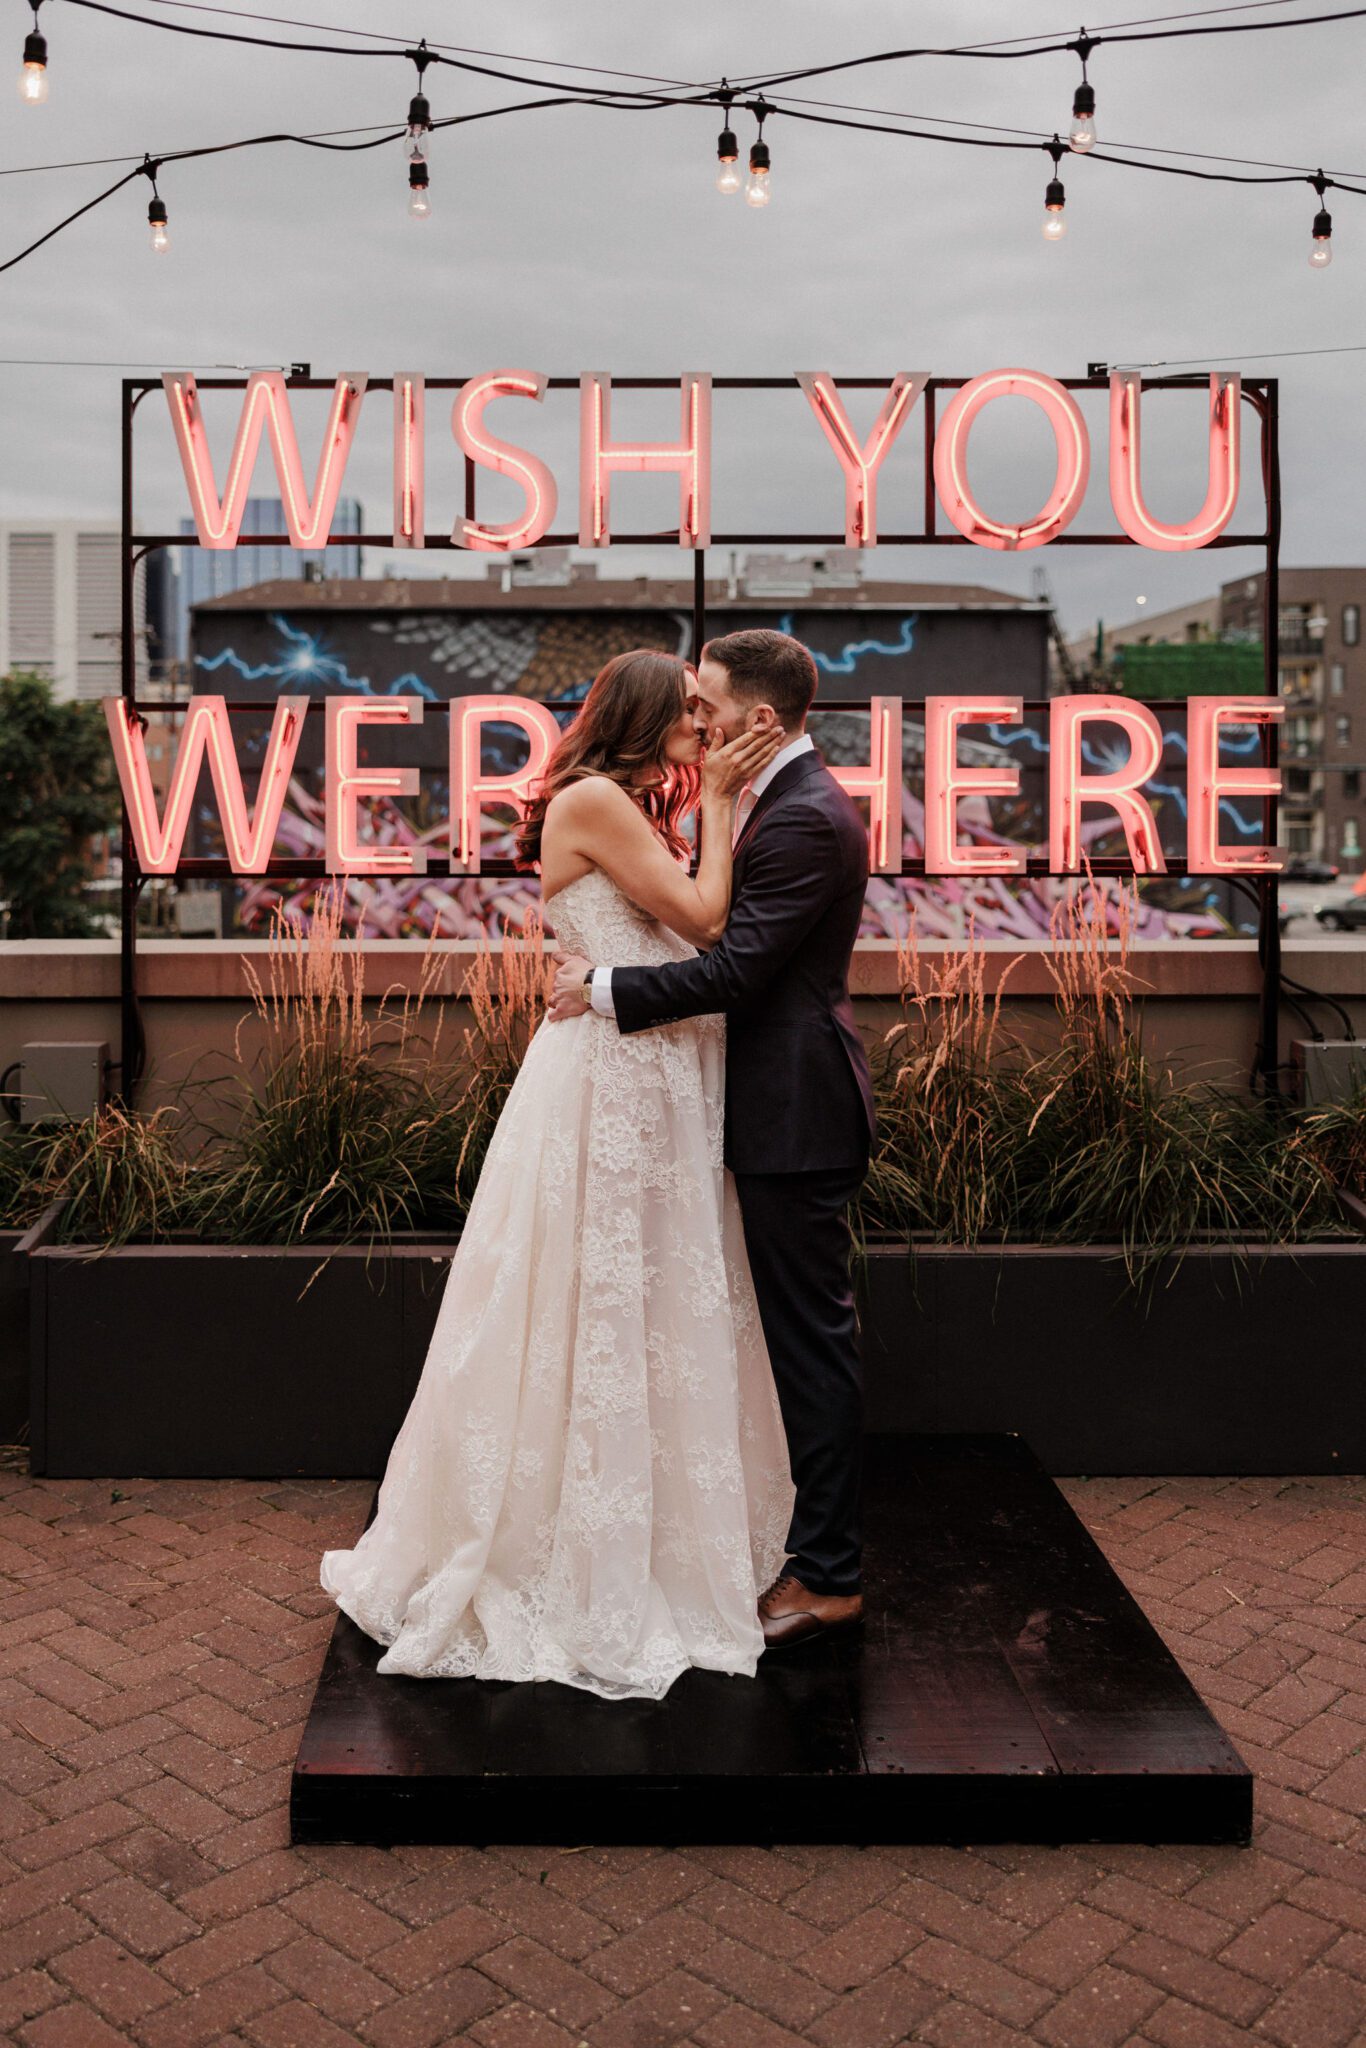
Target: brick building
(1321,657)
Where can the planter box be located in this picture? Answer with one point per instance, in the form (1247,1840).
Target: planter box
(211,1361)
(1223,1368)
(194,1360)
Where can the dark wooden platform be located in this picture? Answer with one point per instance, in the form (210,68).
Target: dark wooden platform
(1006,1688)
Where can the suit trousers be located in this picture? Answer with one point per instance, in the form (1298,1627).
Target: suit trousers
(798,1240)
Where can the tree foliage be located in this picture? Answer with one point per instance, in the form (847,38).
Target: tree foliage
(58,787)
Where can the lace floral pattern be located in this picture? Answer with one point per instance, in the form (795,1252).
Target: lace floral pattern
(591,1483)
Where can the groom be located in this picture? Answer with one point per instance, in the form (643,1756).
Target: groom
(799,1116)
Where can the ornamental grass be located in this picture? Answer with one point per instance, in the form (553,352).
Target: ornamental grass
(983,1139)
(357,1120)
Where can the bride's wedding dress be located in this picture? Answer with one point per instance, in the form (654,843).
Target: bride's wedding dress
(592,1481)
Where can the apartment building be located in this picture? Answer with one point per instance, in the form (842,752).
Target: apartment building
(1321,658)
(59,604)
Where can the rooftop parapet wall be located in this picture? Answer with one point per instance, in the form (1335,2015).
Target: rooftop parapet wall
(1199,1000)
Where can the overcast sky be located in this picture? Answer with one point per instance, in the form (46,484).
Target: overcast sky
(586,239)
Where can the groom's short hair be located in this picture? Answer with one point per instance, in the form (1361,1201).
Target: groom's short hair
(766,666)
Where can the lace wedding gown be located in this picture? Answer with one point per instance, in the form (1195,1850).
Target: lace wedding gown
(591,1483)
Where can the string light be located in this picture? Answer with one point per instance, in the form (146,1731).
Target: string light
(1082,133)
(157,220)
(641,97)
(1321,251)
(419,111)
(1054,198)
(757,191)
(33,77)
(727,148)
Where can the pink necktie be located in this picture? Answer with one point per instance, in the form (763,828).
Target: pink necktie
(742,811)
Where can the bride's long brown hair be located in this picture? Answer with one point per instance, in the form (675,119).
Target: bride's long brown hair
(632,705)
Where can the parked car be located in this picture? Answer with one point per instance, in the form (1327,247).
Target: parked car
(1303,869)
(1349,915)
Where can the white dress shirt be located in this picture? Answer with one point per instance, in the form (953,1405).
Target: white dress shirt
(600,994)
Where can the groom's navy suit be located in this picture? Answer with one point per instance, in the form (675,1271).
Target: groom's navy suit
(799,1123)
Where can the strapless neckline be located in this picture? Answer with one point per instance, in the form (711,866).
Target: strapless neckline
(565,887)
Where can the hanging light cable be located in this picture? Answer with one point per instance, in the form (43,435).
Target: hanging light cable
(416,139)
(1082,133)
(33,77)
(1054,198)
(1321,250)
(419,111)
(157,220)
(727,148)
(757,192)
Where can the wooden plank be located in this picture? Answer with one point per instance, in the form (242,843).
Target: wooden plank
(1107,1694)
(1005,1687)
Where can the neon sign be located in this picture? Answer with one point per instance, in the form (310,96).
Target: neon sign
(1063,503)
(309,521)
(159,841)
(266,409)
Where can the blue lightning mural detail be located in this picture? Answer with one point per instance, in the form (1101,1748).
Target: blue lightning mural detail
(308,664)
(1107,758)
(847,660)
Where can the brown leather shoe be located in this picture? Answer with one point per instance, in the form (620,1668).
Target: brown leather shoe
(791,1613)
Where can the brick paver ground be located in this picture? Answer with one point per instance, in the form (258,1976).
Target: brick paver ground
(161,1641)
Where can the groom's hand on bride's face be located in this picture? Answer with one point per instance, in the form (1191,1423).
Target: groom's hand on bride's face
(568,998)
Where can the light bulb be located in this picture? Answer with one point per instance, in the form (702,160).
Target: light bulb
(1054,224)
(1321,253)
(757,188)
(727,162)
(1082,133)
(33,77)
(419,128)
(419,203)
(160,238)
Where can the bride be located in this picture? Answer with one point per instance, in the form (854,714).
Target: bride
(592,1483)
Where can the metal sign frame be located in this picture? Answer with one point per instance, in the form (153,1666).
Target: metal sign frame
(1261,392)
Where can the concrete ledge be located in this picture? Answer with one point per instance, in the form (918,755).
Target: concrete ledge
(84,970)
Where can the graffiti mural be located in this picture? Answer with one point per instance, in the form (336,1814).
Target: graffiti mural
(551,651)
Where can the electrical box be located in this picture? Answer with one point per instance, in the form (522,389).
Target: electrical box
(61,1079)
(1331,1069)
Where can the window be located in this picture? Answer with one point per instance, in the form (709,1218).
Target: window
(1299,836)
(1351,843)
(1344,728)
(1351,624)
(1351,784)
(1337,679)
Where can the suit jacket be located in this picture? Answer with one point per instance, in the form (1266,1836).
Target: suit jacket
(798,1094)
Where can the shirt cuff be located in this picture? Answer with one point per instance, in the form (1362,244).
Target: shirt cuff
(600,995)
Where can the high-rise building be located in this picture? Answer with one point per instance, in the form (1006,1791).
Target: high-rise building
(59,604)
(215,572)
